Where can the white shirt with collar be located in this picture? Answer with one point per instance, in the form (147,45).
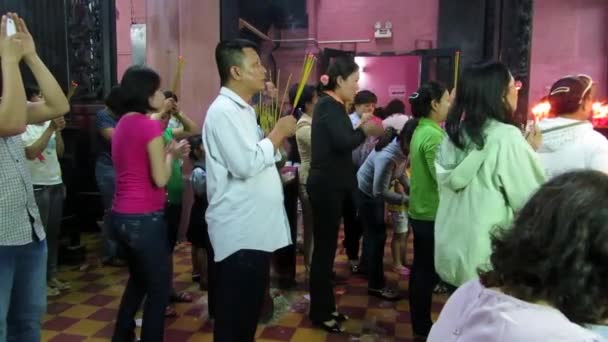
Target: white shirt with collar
(244,189)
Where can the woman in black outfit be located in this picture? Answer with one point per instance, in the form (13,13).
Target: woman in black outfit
(331,180)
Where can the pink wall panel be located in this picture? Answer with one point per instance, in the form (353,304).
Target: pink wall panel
(569,37)
(378,74)
(354,19)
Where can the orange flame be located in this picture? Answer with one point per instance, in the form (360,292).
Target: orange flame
(600,110)
(541,110)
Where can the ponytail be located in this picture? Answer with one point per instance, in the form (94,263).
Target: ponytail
(389,135)
(421,101)
(407,132)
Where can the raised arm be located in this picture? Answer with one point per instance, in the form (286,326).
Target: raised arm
(13,103)
(190,127)
(55,103)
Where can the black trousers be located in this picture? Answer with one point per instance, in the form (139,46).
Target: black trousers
(372,216)
(353,229)
(242,279)
(327,211)
(423,278)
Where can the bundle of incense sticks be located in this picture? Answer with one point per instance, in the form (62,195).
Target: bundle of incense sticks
(178,75)
(309,63)
(269,108)
(72,90)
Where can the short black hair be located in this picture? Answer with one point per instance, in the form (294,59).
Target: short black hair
(343,66)
(195,141)
(114,99)
(557,248)
(31,91)
(365,97)
(229,53)
(395,106)
(137,85)
(170,94)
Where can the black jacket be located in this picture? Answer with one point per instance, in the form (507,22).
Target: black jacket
(333,140)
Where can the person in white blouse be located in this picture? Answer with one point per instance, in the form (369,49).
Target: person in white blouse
(246,217)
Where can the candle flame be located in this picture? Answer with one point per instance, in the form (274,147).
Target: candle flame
(600,110)
(541,110)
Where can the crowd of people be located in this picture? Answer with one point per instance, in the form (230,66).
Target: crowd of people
(514,223)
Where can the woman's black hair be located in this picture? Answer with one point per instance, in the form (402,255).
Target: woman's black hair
(422,99)
(380,113)
(343,66)
(406,134)
(557,249)
(308,94)
(195,141)
(395,106)
(480,96)
(114,99)
(170,94)
(137,85)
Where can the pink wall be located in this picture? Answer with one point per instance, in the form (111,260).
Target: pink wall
(378,74)
(354,19)
(127,11)
(568,37)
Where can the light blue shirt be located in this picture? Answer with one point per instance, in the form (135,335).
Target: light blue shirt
(244,188)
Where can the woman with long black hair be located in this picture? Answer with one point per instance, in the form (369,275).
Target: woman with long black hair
(486,171)
(331,180)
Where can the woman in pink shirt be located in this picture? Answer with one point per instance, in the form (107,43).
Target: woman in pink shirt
(143,166)
(549,272)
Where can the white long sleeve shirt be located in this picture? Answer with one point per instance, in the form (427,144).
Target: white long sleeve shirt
(571,145)
(244,189)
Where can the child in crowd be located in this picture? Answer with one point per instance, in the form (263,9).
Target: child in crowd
(202,252)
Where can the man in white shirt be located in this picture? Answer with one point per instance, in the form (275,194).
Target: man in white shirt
(569,140)
(246,216)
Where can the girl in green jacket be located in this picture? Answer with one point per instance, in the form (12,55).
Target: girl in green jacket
(486,171)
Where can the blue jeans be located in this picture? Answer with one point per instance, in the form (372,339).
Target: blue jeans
(143,238)
(22,291)
(105,176)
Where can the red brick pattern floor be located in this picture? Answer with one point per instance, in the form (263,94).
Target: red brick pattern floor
(86,312)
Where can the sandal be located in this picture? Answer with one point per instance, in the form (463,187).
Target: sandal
(402,270)
(330,326)
(385,293)
(180,297)
(440,289)
(340,318)
(170,312)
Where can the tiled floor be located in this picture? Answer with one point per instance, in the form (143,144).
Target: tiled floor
(86,312)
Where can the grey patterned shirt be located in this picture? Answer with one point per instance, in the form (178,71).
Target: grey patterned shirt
(19,217)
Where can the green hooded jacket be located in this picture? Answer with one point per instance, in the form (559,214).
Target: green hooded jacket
(480,190)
